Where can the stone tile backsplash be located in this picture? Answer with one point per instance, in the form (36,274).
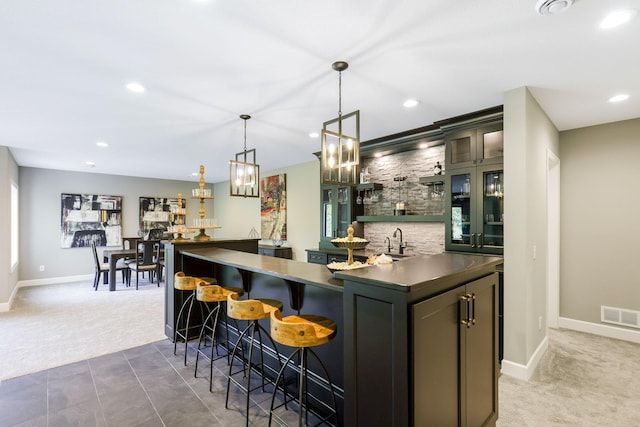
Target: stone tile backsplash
(421,237)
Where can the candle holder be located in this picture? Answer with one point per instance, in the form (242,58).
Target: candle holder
(350,243)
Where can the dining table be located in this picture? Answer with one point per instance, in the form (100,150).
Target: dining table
(112,256)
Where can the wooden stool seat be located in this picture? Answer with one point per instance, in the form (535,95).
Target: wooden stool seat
(182,282)
(210,338)
(304,330)
(251,310)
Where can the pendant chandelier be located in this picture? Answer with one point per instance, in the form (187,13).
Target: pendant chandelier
(244,172)
(340,142)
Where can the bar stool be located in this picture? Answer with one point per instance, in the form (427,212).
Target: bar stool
(252,310)
(185,283)
(207,293)
(303,331)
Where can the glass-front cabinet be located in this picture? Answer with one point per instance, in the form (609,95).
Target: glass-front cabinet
(480,146)
(475,210)
(336,213)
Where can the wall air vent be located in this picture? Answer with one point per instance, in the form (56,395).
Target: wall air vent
(620,316)
(552,7)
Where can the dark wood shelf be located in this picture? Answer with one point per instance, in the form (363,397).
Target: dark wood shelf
(401,218)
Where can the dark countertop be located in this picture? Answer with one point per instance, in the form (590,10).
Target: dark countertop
(413,274)
(296,271)
(437,272)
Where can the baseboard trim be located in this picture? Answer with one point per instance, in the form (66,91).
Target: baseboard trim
(55,280)
(524,372)
(602,330)
(6,306)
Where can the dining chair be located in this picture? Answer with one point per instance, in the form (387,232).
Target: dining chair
(147,254)
(103,267)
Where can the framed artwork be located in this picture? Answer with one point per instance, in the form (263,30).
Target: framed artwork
(273,207)
(155,216)
(87,218)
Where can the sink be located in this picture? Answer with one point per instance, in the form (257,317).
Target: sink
(397,255)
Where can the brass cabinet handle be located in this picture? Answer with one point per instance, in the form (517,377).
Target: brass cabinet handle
(473,240)
(466,320)
(480,244)
(473,309)
(469,316)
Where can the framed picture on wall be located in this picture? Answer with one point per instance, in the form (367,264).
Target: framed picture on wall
(273,207)
(87,218)
(156,216)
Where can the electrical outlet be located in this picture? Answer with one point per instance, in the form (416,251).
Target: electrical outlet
(42,268)
(539,323)
(535,251)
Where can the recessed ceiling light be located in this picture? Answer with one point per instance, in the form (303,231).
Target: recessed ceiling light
(377,155)
(552,7)
(618,98)
(90,164)
(410,103)
(617,18)
(135,87)
(423,145)
(195,174)
(102,144)
(313,134)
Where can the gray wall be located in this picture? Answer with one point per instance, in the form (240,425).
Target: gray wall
(528,134)
(8,278)
(600,232)
(40,191)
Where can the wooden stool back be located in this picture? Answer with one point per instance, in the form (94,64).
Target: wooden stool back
(250,309)
(214,293)
(305,330)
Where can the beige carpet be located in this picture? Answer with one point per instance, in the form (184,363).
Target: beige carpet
(54,325)
(582,380)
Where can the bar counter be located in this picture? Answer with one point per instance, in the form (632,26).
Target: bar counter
(381,329)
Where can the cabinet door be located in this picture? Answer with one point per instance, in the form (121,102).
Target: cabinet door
(436,371)
(481,365)
(460,149)
(461,211)
(490,145)
(336,213)
(455,366)
(490,221)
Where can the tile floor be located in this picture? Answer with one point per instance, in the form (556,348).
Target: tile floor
(142,386)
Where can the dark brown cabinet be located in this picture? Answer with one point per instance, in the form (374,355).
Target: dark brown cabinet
(275,251)
(455,359)
(421,346)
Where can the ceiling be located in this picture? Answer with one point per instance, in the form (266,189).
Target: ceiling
(65,64)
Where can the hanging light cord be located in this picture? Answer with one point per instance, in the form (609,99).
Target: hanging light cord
(340,94)
(245,135)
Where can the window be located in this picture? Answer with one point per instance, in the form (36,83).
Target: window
(14,225)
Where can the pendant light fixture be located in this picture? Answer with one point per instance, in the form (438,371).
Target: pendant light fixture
(340,155)
(244,172)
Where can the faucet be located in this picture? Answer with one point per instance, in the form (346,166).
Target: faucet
(402,245)
(387,240)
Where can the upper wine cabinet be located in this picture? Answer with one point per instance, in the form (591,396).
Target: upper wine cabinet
(475,147)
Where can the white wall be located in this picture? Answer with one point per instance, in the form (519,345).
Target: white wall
(528,135)
(600,231)
(8,277)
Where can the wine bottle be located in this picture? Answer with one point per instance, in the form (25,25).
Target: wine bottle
(437,169)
